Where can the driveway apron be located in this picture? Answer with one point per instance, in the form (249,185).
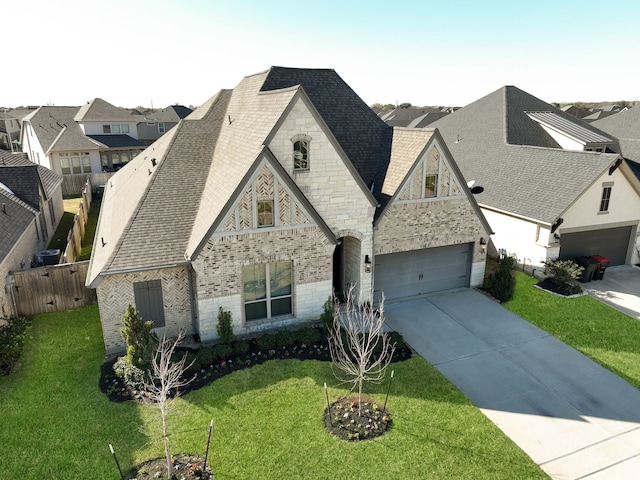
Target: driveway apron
(574,418)
(620,289)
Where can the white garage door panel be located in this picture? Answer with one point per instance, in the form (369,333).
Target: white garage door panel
(417,272)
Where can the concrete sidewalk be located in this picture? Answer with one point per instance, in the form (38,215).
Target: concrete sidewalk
(574,418)
(620,288)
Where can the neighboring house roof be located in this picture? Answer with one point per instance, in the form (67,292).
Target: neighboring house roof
(120,140)
(427,119)
(98,110)
(402,117)
(522,169)
(625,127)
(15,218)
(24,178)
(56,130)
(568,127)
(173,113)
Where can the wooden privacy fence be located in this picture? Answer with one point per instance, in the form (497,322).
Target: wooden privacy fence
(73,184)
(54,288)
(76,234)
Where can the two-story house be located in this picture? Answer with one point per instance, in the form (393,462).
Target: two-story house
(271,197)
(552,186)
(153,125)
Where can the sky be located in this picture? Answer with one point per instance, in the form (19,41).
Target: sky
(157,53)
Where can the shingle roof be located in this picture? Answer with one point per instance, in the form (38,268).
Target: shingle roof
(199,165)
(173,113)
(522,169)
(57,131)
(100,110)
(364,137)
(24,177)
(15,218)
(120,140)
(625,127)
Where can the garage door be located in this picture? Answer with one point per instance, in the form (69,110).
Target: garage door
(418,272)
(612,243)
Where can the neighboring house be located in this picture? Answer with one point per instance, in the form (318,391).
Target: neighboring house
(413,117)
(30,209)
(272,196)
(550,190)
(153,125)
(93,138)
(9,131)
(625,128)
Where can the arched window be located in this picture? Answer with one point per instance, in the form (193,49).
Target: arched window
(301,152)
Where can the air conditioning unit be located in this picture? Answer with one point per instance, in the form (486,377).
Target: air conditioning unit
(48,257)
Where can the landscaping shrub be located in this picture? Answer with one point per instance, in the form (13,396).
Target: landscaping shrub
(501,283)
(225,326)
(565,275)
(13,336)
(141,341)
(308,335)
(285,338)
(241,347)
(266,341)
(222,351)
(327,314)
(132,375)
(206,356)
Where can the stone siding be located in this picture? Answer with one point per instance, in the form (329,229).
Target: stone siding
(428,224)
(219,273)
(115,292)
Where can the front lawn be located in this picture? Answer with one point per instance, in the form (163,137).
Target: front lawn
(602,333)
(268,420)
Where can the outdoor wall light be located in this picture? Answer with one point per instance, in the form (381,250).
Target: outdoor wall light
(483,244)
(367,264)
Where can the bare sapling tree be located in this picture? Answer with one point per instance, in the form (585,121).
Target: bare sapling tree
(360,348)
(165,378)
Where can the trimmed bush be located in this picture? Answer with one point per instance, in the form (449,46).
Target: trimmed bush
(225,326)
(308,335)
(266,341)
(241,347)
(565,274)
(285,338)
(13,336)
(327,314)
(501,283)
(132,375)
(222,351)
(141,341)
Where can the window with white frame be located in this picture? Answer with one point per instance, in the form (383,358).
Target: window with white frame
(267,290)
(75,163)
(606,197)
(161,127)
(265,213)
(301,152)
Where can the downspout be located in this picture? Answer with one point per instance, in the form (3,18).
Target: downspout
(192,298)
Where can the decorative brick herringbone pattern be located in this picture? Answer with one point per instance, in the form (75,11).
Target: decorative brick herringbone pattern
(445,181)
(244,208)
(284,206)
(301,218)
(264,183)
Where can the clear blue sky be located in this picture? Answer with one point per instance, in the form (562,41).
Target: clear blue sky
(445,52)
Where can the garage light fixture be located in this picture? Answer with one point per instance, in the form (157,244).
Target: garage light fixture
(483,244)
(367,264)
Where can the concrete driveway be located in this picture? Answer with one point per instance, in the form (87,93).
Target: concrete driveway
(572,417)
(619,288)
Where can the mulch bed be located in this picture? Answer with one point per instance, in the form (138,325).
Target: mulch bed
(346,421)
(184,467)
(117,391)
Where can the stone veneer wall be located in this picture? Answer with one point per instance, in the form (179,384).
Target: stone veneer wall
(219,275)
(418,225)
(115,292)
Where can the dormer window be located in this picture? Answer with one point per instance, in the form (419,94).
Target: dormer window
(301,152)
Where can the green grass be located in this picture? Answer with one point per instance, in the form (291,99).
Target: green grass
(602,333)
(59,239)
(90,229)
(267,420)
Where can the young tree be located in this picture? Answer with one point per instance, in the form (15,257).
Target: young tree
(166,377)
(360,349)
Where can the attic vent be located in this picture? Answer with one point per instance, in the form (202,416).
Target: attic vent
(4,208)
(154,162)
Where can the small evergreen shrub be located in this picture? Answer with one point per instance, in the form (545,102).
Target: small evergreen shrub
(132,375)
(285,338)
(501,283)
(222,351)
(137,334)
(266,341)
(308,335)
(327,314)
(240,347)
(13,336)
(225,326)
(565,274)
(206,356)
